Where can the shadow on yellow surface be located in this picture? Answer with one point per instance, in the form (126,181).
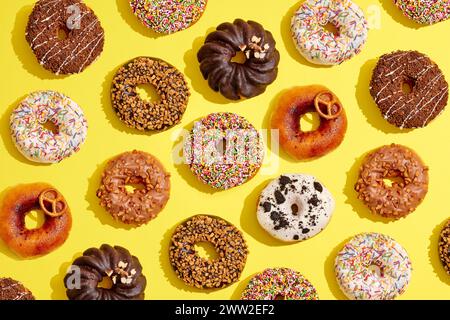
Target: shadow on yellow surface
(166,266)
(358,206)
(289,42)
(23,50)
(237,293)
(330,274)
(57,282)
(94,203)
(433,254)
(198,83)
(249,222)
(368,105)
(398,16)
(127,14)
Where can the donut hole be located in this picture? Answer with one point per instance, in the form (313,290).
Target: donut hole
(295,209)
(206,250)
(392,181)
(376,270)
(34,219)
(408,86)
(331,28)
(134,187)
(106,283)
(50,126)
(310,121)
(239,58)
(62,34)
(148,93)
(279,297)
(221,146)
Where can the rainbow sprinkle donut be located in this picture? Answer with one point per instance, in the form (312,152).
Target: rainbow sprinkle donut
(168,16)
(224,150)
(320,46)
(284,283)
(425,11)
(373,266)
(37,143)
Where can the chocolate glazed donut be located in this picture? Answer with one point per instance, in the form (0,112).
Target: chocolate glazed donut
(115,263)
(232,79)
(84,41)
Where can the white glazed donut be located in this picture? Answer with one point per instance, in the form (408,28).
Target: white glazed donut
(295,207)
(320,46)
(37,143)
(373,266)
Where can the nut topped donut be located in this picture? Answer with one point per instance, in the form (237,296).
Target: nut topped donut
(401,198)
(428,94)
(142,205)
(295,103)
(202,273)
(239,80)
(137,113)
(444,247)
(17,203)
(115,263)
(84,35)
(168,16)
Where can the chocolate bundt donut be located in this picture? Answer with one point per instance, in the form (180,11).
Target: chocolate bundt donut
(235,80)
(117,264)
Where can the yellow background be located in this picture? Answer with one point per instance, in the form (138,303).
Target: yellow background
(78,177)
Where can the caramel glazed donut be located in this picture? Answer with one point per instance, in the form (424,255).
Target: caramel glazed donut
(17,203)
(115,263)
(235,80)
(293,105)
(84,41)
(402,198)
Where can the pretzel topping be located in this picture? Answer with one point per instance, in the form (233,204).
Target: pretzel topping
(52,203)
(327,105)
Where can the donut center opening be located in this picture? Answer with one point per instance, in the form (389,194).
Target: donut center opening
(106,283)
(148,93)
(295,209)
(239,58)
(280,297)
(331,28)
(34,219)
(310,121)
(393,181)
(376,270)
(206,250)
(221,146)
(62,34)
(408,85)
(50,126)
(134,186)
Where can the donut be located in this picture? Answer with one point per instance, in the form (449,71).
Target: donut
(170,85)
(202,273)
(224,150)
(444,247)
(402,197)
(425,11)
(373,266)
(295,207)
(279,283)
(14,290)
(235,80)
(84,39)
(17,203)
(138,207)
(320,46)
(37,143)
(168,16)
(295,103)
(123,270)
(429,89)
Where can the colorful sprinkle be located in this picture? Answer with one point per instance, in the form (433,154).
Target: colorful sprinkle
(168,16)
(373,266)
(320,46)
(425,11)
(37,143)
(279,283)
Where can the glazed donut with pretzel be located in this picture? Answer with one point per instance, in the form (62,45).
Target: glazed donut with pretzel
(297,102)
(17,203)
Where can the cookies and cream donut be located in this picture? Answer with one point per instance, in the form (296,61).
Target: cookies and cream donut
(37,143)
(84,39)
(320,46)
(295,207)
(373,266)
(428,94)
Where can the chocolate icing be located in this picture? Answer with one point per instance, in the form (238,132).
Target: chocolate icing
(232,79)
(124,270)
(13,290)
